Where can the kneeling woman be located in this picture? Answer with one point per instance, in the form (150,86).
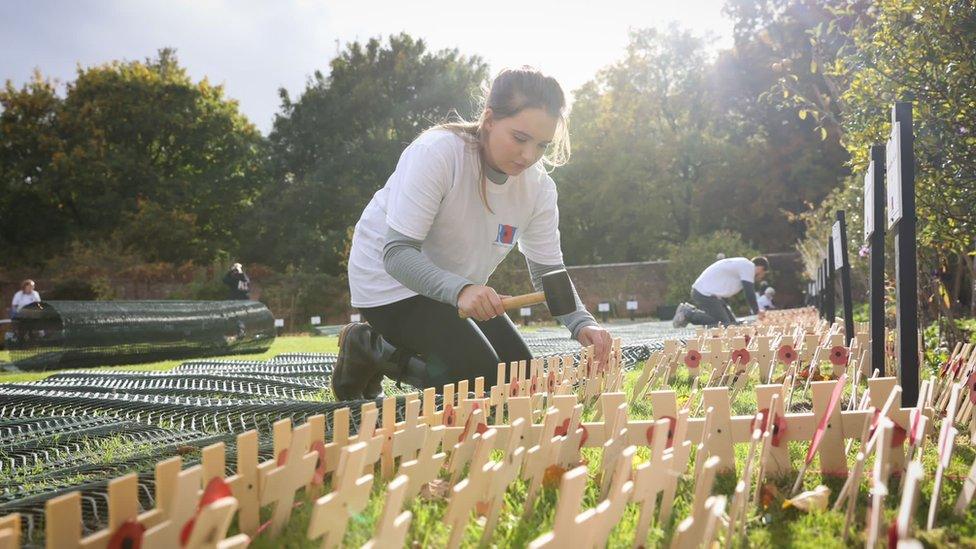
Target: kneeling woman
(461,197)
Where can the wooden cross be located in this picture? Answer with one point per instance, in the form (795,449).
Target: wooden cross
(881,445)
(465,448)
(650,479)
(613,449)
(945,445)
(63,513)
(611,509)
(280,483)
(393,525)
(571,528)
(10,531)
(466,493)
(501,474)
(540,459)
(691,532)
(427,465)
(740,497)
(909,501)
(340,438)
(183,507)
(331,512)
(411,433)
(210,526)
(316,444)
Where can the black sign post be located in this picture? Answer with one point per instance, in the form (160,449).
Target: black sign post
(830,302)
(874,235)
(839,241)
(900,167)
(820,291)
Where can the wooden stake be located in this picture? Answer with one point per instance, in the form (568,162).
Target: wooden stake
(293,473)
(10,531)
(391,532)
(331,513)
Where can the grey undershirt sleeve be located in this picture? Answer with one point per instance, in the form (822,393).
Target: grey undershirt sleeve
(573,321)
(404,261)
(750,289)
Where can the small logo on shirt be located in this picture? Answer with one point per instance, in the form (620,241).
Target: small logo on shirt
(506,234)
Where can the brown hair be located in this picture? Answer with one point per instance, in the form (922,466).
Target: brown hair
(511,92)
(761,261)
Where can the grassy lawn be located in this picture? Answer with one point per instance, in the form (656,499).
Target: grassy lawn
(773,527)
(285,344)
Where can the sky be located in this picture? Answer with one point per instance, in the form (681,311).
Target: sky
(254,48)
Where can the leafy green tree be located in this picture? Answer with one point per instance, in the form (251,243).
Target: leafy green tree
(335,145)
(33,208)
(644,151)
(919,51)
(128,133)
(669,145)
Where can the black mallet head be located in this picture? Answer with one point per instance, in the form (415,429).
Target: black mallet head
(559,292)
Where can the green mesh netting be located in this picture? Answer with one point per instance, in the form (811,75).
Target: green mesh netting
(67,334)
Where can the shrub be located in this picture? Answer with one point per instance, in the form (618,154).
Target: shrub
(688,260)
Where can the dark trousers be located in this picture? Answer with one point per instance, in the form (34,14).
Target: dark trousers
(452,347)
(711,310)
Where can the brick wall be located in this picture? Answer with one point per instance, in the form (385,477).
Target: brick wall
(647,283)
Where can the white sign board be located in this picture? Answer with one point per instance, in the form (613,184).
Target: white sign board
(279,323)
(839,258)
(631,305)
(603,307)
(316,320)
(893,180)
(869,202)
(525,311)
(355,317)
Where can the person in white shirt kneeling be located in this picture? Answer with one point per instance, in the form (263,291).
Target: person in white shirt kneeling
(718,282)
(463,195)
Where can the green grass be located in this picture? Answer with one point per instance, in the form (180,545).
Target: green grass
(774,527)
(285,344)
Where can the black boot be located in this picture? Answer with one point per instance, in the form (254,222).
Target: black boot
(365,358)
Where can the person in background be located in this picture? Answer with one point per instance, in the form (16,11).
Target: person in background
(237,282)
(24,297)
(765,300)
(718,282)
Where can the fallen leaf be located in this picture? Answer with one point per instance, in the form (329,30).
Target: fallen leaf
(769,493)
(435,490)
(552,476)
(811,500)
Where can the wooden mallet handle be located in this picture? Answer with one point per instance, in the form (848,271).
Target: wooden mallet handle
(514,302)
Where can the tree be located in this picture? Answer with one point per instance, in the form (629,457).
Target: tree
(335,145)
(33,209)
(670,145)
(128,134)
(919,51)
